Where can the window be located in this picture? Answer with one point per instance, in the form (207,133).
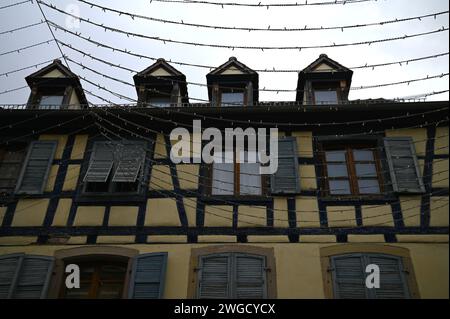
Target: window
(34,173)
(232,275)
(11,159)
(352,170)
(349,276)
(99,280)
(232,99)
(24,276)
(53,102)
(286,180)
(325,96)
(159,101)
(110,272)
(236,178)
(232,272)
(115,168)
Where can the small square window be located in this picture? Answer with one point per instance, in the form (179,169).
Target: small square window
(232,99)
(159,102)
(326,96)
(51,102)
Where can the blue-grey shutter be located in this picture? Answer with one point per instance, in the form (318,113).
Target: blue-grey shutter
(35,171)
(9,271)
(250,277)
(349,277)
(393,281)
(130,163)
(25,276)
(286,180)
(148,276)
(403,165)
(101,163)
(34,277)
(214,281)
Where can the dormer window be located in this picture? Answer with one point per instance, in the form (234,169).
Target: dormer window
(232,84)
(161,85)
(324,82)
(55,87)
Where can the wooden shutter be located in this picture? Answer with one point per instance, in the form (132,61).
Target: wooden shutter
(130,163)
(250,277)
(215,277)
(35,171)
(25,276)
(393,282)
(148,276)
(403,165)
(286,180)
(101,163)
(349,277)
(9,270)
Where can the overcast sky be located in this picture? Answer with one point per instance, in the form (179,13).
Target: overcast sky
(311,16)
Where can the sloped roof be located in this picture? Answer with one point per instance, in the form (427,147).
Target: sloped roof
(160,63)
(55,65)
(324,59)
(232,62)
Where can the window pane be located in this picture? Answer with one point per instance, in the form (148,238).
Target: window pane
(250,180)
(363,155)
(339,187)
(335,156)
(51,102)
(366,170)
(326,97)
(223,179)
(337,170)
(368,186)
(159,102)
(232,99)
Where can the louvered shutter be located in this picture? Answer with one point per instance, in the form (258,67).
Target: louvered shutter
(9,270)
(349,277)
(286,180)
(35,171)
(215,96)
(148,276)
(403,165)
(214,277)
(393,283)
(25,276)
(250,273)
(130,163)
(34,277)
(101,163)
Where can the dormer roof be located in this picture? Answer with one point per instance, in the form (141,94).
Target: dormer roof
(54,75)
(233,71)
(162,73)
(323,69)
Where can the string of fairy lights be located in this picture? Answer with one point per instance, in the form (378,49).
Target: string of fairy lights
(231,46)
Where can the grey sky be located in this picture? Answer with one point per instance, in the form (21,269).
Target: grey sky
(312,16)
